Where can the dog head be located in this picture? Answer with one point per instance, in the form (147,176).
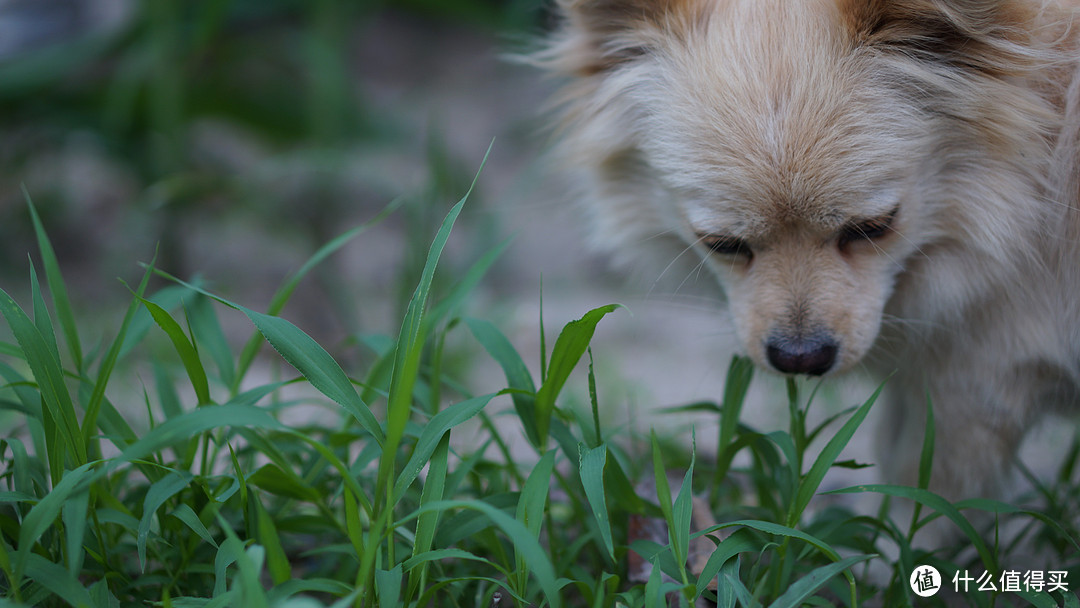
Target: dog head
(812,152)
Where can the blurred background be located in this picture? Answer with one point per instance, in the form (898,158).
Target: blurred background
(236,136)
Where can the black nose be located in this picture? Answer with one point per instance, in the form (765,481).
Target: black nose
(813,355)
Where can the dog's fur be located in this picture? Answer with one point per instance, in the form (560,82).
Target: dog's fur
(895,178)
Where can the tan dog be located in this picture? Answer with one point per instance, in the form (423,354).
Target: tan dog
(872,181)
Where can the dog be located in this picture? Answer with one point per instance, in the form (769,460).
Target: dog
(889,185)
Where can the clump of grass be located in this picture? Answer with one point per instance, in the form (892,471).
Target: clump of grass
(220,503)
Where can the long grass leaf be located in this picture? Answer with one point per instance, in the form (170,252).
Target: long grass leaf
(55,280)
(321,370)
(42,320)
(681,516)
(48,374)
(441,554)
(926,458)
(307,356)
(725,595)
(591,463)
(426,524)
(732,583)
(534,495)
(185,348)
(663,488)
(410,345)
(737,383)
(654,595)
(407,354)
(779,530)
(277,562)
(74,516)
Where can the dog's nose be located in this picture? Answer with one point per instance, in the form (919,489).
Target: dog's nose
(813,355)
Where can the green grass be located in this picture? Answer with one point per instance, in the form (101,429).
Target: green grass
(409,490)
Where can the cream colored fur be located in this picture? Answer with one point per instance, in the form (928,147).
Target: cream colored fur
(783,123)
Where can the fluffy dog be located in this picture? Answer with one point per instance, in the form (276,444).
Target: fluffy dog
(890,184)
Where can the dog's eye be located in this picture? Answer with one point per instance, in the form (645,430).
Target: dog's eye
(726,245)
(867,230)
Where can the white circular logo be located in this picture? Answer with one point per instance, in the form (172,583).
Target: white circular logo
(925,581)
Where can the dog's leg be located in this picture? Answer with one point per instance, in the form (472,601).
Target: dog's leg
(979,425)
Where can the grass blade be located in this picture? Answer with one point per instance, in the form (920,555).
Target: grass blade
(739,542)
(97,395)
(681,515)
(159,492)
(187,516)
(434,489)
(569,348)
(779,530)
(409,348)
(534,495)
(663,489)
(184,347)
(439,425)
(41,315)
(591,463)
(403,379)
(59,581)
(737,383)
(519,535)
(816,579)
(74,516)
(43,515)
(206,331)
(388,586)
(517,374)
(55,280)
(277,561)
(49,376)
(307,356)
(809,484)
(312,360)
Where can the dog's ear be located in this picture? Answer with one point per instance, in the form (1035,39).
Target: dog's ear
(987,35)
(598,35)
